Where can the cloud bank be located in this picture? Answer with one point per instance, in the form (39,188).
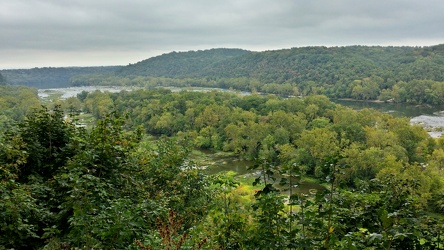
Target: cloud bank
(39,33)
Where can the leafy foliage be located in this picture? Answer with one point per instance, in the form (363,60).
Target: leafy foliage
(16,102)
(396,74)
(63,186)
(180,64)
(107,186)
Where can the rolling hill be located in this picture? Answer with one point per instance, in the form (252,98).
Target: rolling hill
(326,65)
(51,77)
(398,74)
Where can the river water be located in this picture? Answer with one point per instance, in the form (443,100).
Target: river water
(73,91)
(220,163)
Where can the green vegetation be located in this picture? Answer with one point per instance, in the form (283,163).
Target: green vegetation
(395,74)
(64,186)
(181,64)
(15,104)
(118,170)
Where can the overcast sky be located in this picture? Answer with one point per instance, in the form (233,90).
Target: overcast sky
(55,33)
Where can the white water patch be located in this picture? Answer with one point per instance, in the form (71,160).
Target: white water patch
(73,91)
(433,123)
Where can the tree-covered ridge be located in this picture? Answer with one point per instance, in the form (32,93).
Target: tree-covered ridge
(323,65)
(181,64)
(396,74)
(50,77)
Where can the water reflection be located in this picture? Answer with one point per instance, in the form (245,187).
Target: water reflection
(221,163)
(74,91)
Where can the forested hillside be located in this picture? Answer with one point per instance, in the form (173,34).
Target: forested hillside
(323,65)
(50,77)
(182,64)
(396,74)
(330,65)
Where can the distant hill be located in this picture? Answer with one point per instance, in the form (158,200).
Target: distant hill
(182,64)
(50,77)
(395,74)
(325,65)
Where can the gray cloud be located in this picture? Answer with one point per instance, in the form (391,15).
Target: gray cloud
(108,32)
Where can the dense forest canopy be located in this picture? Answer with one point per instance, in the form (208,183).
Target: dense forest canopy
(15,103)
(181,64)
(324,65)
(109,185)
(395,74)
